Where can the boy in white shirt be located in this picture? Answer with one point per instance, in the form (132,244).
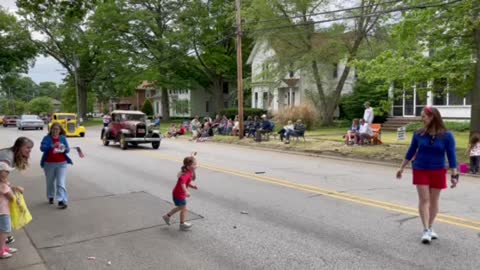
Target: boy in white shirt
(365,131)
(368,115)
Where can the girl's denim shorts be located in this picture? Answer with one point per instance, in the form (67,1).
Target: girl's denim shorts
(5,224)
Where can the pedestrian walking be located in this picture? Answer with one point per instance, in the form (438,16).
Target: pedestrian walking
(54,163)
(180,193)
(474,151)
(6,195)
(17,157)
(429,146)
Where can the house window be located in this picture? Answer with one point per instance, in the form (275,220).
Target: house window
(225,87)
(156,108)
(439,92)
(207,106)
(291,74)
(454,99)
(255,104)
(335,70)
(293,98)
(468,98)
(265,100)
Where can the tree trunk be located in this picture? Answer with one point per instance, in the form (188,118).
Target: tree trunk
(475,111)
(82,96)
(217,92)
(165,105)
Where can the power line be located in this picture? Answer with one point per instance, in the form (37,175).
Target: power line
(323,12)
(421,6)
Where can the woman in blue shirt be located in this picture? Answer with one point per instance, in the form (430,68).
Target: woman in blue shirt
(427,150)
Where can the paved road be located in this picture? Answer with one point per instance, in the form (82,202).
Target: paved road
(303,212)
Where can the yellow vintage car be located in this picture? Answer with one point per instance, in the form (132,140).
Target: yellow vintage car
(69,122)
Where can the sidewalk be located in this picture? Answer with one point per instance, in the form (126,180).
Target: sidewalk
(96,224)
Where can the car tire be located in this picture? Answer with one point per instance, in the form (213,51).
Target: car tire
(155,145)
(123,142)
(82,134)
(41,128)
(105,140)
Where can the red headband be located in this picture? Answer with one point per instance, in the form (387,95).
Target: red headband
(428,109)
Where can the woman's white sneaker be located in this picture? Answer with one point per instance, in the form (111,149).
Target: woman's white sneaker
(185,226)
(433,234)
(426,237)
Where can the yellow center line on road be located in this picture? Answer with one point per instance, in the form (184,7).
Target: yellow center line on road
(444,218)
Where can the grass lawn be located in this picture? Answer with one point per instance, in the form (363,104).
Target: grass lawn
(330,141)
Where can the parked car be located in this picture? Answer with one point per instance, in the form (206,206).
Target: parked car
(30,121)
(69,123)
(129,127)
(10,120)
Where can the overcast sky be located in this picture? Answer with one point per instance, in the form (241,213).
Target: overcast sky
(46,68)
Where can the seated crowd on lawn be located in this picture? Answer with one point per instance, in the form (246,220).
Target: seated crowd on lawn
(361,131)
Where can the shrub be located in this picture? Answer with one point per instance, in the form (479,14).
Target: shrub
(351,105)
(307,112)
(232,112)
(147,107)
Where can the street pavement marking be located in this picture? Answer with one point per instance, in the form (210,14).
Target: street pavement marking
(444,218)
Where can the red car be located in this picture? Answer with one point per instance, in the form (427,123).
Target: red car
(130,127)
(10,120)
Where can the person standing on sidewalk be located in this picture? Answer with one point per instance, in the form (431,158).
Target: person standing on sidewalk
(54,163)
(180,192)
(474,152)
(17,157)
(6,196)
(429,146)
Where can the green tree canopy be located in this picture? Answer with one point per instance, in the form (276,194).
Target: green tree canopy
(40,105)
(16,48)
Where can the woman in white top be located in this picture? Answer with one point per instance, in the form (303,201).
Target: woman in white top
(365,132)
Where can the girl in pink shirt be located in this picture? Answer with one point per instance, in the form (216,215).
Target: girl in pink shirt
(180,192)
(6,195)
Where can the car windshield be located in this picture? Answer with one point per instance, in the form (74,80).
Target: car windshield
(133,117)
(66,116)
(30,117)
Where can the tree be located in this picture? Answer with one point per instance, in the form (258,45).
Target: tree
(209,24)
(17,87)
(145,32)
(65,38)
(289,28)
(434,44)
(16,49)
(147,107)
(49,89)
(40,105)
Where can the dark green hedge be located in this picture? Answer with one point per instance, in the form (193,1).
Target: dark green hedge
(232,112)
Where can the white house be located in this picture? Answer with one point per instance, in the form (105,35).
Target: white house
(274,94)
(411,101)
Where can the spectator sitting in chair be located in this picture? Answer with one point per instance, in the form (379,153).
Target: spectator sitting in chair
(253,126)
(172,131)
(266,125)
(298,130)
(195,126)
(284,130)
(352,133)
(236,126)
(365,132)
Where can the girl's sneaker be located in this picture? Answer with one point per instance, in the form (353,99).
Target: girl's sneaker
(426,237)
(10,240)
(185,226)
(10,250)
(433,234)
(166,219)
(5,255)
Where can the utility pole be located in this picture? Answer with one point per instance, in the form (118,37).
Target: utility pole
(239,70)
